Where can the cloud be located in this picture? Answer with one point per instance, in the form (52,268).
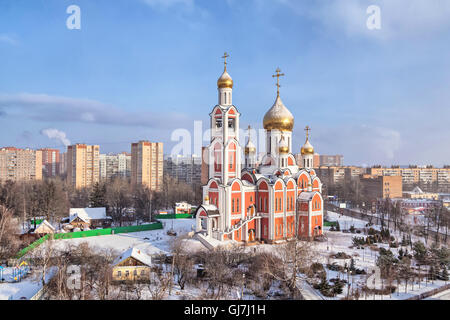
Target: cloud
(359,143)
(399,18)
(48,108)
(9,39)
(55,134)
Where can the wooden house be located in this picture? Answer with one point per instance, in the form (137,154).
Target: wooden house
(92,218)
(132,265)
(44,228)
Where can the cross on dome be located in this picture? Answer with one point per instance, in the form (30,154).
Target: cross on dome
(225,56)
(307,129)
(278,75)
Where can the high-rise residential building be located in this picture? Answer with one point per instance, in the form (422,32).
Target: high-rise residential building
(205,166)
(115,165)
(147,162)
(184,168)
(50,162)
(63,163)
(20,164)
(331,160)
(83,167)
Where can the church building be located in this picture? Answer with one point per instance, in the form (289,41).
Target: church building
(247,200)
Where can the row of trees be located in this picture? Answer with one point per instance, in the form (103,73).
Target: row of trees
(52,198)
(227,272)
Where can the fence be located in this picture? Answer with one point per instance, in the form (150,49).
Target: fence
(90,233)
(174,216)
(430,293)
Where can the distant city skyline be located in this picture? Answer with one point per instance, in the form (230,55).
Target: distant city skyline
(139,69)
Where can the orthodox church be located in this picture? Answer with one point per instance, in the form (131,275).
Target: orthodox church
(271,200)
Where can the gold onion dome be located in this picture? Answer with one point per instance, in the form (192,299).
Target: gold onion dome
(307,148)
(284,148)
(278,117)
(225,80)
(250,148)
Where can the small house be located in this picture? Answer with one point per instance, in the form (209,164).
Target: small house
(44,228)
(92,218)
(132,265)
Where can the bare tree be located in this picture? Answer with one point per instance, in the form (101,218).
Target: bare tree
(159,283)
(9,243)
(118,195)
(182,262)
(292,258)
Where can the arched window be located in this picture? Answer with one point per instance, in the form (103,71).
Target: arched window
(232,205)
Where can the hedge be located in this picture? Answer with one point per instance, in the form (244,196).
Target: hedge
(174,216)
(90,233)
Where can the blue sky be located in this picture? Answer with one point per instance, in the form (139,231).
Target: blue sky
(139,69)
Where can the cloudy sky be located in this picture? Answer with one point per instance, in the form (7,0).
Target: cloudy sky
(140,69)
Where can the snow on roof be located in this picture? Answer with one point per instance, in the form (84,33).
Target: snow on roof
(417,190)
(87,214)
(308,195)
(209,207)
(135,254)
(45,222)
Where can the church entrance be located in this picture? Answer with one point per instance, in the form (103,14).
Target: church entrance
(251,235)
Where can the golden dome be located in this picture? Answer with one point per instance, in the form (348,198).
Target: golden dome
(284,149)
(249,150)
(278,117)
(225,80)
(307,148)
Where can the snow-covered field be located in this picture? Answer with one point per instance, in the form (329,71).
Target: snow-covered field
(24,289)
(150,242)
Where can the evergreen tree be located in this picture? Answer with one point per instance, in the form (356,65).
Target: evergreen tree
(352,264)
(400,253)
(97,198)
(444,274)
(420,251)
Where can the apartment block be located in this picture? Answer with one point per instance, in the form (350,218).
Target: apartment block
(184,168)
(115,165)
(415,175)
(20,164)
(331,160)
(50,162)
(83,165)
(147,164)
(63,163)
(376,187)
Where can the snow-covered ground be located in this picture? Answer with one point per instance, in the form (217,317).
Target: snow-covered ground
(24,289)
(150,242)
(363,258)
